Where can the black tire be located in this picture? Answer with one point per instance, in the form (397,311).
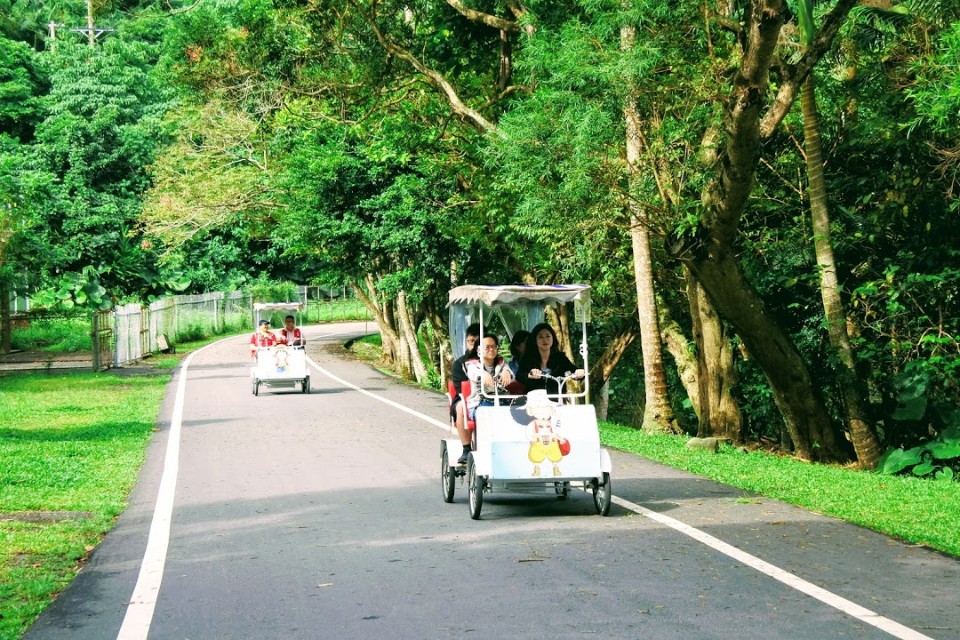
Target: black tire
(475,486)
(562,489)
(448,478)
(256,387)
(602,495)
(306,384)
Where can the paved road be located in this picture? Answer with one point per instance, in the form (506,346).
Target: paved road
(320,516)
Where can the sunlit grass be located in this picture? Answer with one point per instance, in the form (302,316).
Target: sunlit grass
(920,511)
(70,449)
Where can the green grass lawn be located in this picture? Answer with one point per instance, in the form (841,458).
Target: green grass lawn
(70,449)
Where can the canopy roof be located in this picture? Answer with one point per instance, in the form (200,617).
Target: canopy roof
(491,295)
(278,306)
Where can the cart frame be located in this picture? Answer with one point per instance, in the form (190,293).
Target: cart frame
(282,366)
(503,447)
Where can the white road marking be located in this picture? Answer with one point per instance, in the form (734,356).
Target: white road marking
(139,615)
(393,404)
(143,601)
(140,609)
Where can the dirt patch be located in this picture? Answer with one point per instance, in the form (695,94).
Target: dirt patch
(45,517)
(33,360)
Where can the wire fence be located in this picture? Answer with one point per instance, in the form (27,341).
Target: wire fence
(128,333)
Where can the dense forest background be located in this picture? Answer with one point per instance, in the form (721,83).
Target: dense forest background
(762,194)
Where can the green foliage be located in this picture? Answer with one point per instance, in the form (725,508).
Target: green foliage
(937,459)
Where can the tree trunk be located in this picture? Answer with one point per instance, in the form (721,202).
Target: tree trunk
(684,358)
(793,391)
(716,373)
(748,118)
(603,367)
(390,340)
(862,435)
(409,332)
(658,413)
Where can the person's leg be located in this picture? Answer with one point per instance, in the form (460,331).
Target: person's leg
(461,424)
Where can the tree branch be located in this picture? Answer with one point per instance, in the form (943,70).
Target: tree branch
(437,79)
(483,18)
(792,82)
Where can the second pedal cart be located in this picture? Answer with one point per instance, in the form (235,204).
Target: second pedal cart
(279,366)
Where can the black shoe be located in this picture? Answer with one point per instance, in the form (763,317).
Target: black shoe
(463,459)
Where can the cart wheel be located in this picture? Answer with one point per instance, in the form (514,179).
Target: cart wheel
(256,387)
(562,489)
(475,487)
(448,479)
(306,384)
(602,494)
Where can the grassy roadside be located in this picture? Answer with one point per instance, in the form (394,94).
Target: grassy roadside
(71,445)
(70,448)
(919,511)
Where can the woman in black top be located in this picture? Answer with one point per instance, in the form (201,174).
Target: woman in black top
(543,356)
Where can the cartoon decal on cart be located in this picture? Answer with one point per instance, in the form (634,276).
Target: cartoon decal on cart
(280,359)
(543,432)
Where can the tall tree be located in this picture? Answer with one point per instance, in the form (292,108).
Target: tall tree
(861,432)
(711,256)
(657,413)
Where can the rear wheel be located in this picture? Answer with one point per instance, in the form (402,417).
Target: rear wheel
(475,486)
(256,387)
(306,384)
(448,479)
(562,489)
(602,494)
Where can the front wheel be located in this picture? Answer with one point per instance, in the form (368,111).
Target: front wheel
(306,384)
(256,387)
(602,494)
(562,489)
(475,485)
(448,479)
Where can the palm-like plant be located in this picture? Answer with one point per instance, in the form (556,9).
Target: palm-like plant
(861,432)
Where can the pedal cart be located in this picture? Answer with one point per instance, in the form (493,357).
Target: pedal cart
(280,366)
(528,443)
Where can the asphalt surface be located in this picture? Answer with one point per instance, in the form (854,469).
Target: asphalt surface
(320,516)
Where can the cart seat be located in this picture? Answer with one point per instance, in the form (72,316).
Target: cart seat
(451,396)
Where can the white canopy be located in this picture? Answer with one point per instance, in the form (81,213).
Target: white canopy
(278,306)
(491,295)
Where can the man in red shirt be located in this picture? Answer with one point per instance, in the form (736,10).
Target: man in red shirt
(290,335)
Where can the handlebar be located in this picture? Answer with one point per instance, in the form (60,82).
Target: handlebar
(562,381)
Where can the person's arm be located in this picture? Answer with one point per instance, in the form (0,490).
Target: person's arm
(562,365)
(504,374)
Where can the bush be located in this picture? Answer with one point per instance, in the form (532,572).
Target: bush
(938,459)
(55,334)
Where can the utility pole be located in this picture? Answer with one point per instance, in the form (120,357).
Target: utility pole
(92,32)
(52,32)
